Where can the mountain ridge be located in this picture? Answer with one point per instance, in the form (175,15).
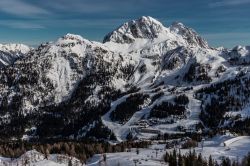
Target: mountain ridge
(11,52)
(156,79)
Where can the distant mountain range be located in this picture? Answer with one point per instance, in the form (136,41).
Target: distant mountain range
(143,81)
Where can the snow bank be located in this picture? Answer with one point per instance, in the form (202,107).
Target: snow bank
(230,141)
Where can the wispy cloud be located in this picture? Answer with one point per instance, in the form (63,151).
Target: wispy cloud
(83,23)
(21,8)
(222,3)
(21,24)
(67,23)
(97,6)
(77,5)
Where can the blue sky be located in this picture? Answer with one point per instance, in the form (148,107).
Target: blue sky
(221,22)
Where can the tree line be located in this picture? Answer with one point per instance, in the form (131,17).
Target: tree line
(80,150)
(175,158)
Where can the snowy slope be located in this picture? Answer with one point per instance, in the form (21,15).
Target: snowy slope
(9,53)
(147,156)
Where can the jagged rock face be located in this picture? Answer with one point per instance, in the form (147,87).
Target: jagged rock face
(189,35)
(69,88)
(239,55)
(146,32)
(9,53)
(144,27)
(176,58)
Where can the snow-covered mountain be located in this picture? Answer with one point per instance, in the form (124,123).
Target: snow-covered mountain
(144,80)
(147,32)
(9,53)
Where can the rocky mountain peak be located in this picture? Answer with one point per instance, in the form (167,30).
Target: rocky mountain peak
(72,38)
(144,27)
(151,31)
(15,48)
(188,34)
(9,53)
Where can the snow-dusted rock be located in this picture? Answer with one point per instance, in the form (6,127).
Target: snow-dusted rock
(9,53)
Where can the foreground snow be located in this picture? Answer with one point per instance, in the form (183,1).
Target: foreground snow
(218,147)
(236,149)
(146,157)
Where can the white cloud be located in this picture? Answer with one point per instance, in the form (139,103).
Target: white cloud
(96,6)
(77,6)
(21,8)
(108,24)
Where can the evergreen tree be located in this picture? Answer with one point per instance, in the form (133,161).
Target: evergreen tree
(129,136)
(226,162)
(180,159)
(174,158)
(199,160)
(70,163)
(166,157)
(246,160)
(210,161)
